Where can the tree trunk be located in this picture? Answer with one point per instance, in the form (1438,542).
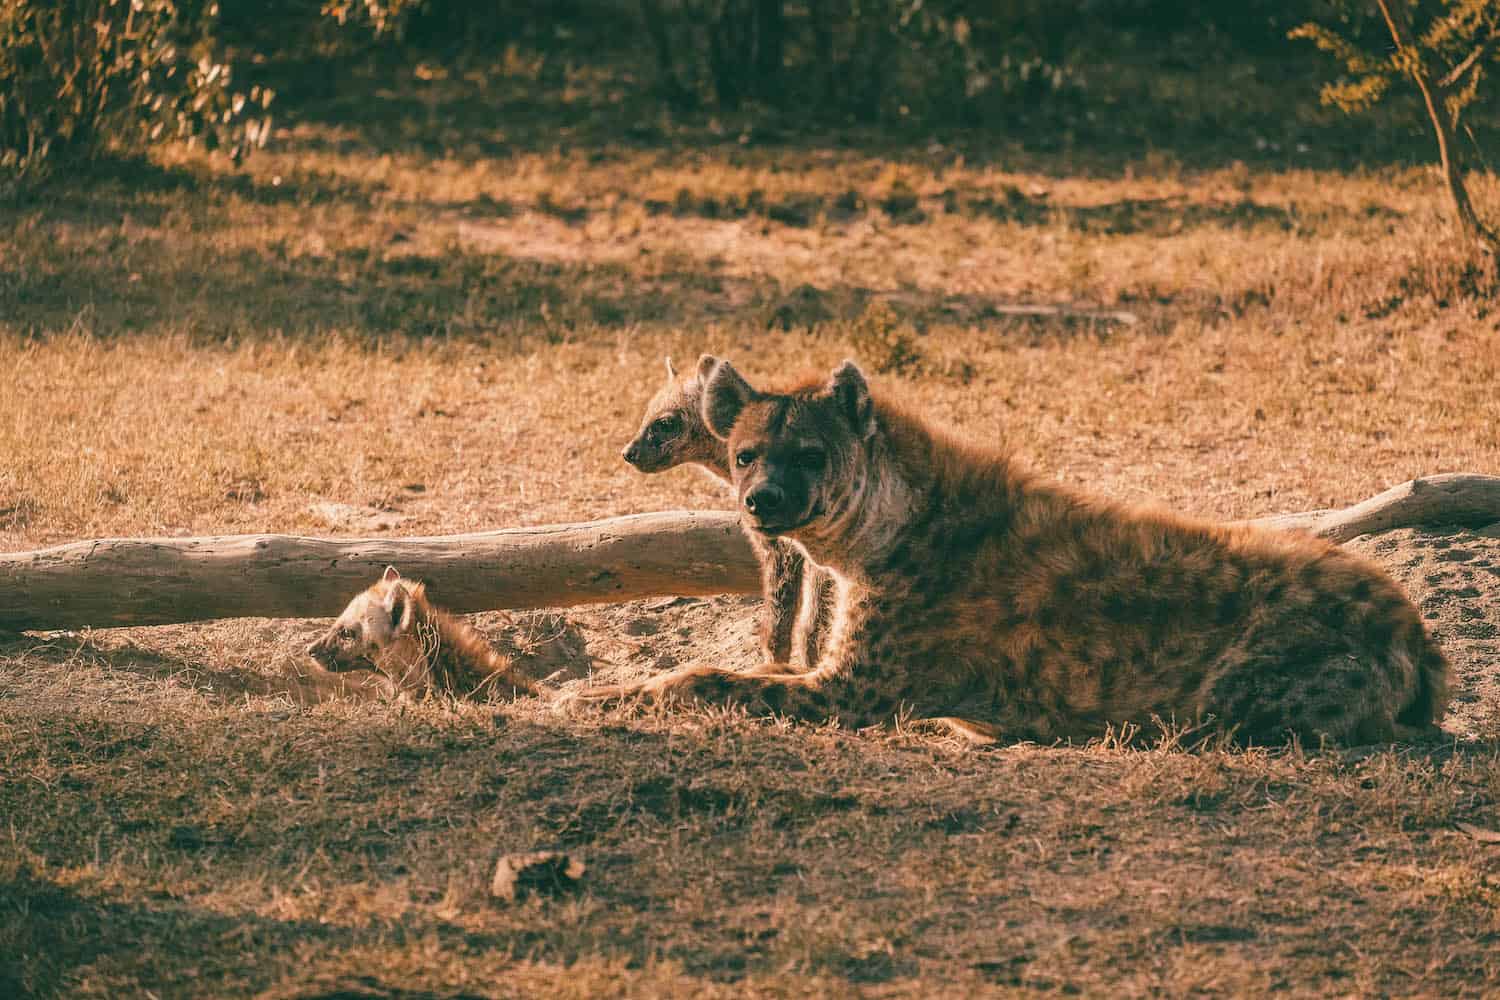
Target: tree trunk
(160,581)
(818,17)
(666,65)
(770,35)
(1397,21)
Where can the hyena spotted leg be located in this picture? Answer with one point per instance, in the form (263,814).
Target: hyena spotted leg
(815,620)
(781,570)
(1343,697)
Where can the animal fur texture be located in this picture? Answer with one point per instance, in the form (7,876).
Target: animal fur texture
(973,593)
(673,433)
(393,628)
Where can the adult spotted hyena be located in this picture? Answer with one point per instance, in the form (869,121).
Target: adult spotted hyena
(393,628)
(972,591)
(673,433)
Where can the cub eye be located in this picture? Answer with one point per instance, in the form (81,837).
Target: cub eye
(347,633)
(744,458)
(669,424)
(811,458)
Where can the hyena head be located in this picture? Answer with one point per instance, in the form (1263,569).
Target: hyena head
(375,621)
(799,458)
(672,431)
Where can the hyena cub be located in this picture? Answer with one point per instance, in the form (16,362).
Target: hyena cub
(673,433)
(392,628)
(974,593)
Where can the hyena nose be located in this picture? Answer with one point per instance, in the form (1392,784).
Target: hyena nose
(632,453)
(764,500)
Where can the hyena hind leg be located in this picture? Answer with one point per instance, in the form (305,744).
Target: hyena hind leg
(1340,698)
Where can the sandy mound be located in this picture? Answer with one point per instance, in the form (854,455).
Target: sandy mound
(1453,575)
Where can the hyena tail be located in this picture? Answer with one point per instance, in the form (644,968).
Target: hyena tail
(1430,700)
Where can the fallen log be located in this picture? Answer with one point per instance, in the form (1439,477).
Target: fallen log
(1463,499)
(160,581)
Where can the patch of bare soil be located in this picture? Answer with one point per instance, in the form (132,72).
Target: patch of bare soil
(1453,575)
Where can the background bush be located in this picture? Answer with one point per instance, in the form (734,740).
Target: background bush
(82,77)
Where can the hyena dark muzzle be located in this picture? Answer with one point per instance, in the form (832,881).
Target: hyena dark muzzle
(780,483)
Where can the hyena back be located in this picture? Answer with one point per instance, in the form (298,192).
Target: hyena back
(972,592)
(673,433)
(392,628)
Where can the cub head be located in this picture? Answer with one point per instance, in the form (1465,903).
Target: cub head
(375,620)
(796,457)
(672,431)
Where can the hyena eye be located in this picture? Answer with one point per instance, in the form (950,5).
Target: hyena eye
(669,425)
(811,458)
(744,458)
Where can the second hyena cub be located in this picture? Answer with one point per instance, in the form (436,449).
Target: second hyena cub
(974,593)
(673,433)
(392,628)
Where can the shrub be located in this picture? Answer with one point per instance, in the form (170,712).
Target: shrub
(81,77)
(1443,48)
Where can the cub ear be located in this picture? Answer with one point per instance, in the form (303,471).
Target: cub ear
(390,574)
(397,604)
(725,394)
(706,365)
(671,372)
(852,394)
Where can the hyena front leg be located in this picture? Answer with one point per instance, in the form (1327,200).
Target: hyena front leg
(782,565)
(815,619)
(854,684)
(768,690)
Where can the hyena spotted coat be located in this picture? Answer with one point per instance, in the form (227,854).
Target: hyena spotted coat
(974,593)
(392,628)
(798,597)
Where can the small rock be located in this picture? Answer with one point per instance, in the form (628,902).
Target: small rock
(546,872)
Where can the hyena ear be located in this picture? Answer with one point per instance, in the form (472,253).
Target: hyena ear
(706,365)
(397,604)
(671,372)
(390,574)
(852,394)
(725,394)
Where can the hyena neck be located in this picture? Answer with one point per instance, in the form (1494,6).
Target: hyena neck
(869,520)
(911,466)
(459,659)
(717,467)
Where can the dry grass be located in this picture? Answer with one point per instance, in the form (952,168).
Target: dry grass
(463,341)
